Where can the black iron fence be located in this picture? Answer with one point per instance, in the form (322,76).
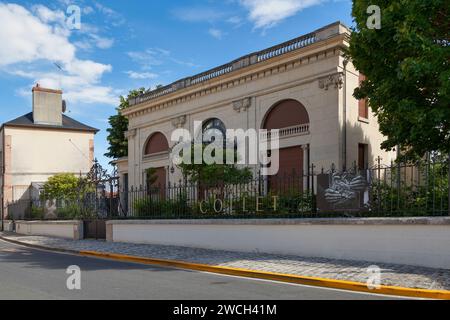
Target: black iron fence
(287,196)
(87,207)
(95,197)
(421,188)
(395,190)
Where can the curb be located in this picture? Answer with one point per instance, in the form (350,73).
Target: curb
(288,278)
(280,277)
(36,246)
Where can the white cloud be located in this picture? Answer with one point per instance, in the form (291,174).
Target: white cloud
(115,18)
(102,42)
(27,38)
(46,15)
(141,75)
(216,33)
(148,58)
(96,41)
(88,10)
(197,14)
(32,43)
(235,20)
(267,13)
(184,63)
(91,38)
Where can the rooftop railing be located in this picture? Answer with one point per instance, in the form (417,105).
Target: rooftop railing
(251,59)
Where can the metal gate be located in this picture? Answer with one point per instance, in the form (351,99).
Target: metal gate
(103,199)
(94,229)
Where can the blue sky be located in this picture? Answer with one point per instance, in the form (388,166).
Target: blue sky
(122,45)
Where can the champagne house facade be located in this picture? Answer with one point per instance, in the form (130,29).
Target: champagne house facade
(303,87)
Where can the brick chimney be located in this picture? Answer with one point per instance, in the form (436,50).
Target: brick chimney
(47,106)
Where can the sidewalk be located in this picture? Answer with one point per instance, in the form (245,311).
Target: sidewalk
(392,275)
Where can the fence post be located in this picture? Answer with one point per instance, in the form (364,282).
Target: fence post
(313,193)
(448,184)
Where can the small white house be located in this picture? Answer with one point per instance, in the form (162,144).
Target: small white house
(41,144)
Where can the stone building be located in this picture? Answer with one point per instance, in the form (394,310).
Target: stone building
(303,87)
(41,144)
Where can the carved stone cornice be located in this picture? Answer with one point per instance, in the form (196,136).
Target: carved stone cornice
(335,80)
(179,122)
(242,105)
(136,111)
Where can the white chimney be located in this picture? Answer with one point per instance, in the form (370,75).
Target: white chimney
(47,106)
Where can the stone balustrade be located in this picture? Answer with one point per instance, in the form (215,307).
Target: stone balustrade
(302,129)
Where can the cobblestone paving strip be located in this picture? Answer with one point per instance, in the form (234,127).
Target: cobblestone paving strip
(392,275)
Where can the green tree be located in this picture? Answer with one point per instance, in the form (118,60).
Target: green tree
(150,177)
(210,174)
(406,63)
(62,186)
(118,125)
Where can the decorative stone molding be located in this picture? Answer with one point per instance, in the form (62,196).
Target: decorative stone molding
(297,63)
(179,122)
(242,105)
(130,133)
(336,80)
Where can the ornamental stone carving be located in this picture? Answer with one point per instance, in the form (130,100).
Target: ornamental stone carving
(130,133)
(179,122)
(242,105)
(335,80)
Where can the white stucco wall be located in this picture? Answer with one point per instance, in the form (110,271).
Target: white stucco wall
(410,243)
(61,229)
(37,155)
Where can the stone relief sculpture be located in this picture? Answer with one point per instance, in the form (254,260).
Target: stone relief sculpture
(344,189)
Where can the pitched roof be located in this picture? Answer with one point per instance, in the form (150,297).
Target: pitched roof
(67,124)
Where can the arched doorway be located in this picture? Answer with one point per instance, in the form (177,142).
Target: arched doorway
(156,177)
(284,115)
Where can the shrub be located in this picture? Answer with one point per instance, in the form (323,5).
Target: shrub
(155,208)
(37,213)
(73,210)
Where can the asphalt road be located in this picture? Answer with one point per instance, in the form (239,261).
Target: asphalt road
(33,274)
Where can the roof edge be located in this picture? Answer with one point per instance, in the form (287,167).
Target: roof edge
(43,126)
(242,62)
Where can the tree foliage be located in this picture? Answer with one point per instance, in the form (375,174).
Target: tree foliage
(210,174)
(150,177)
(406,64)
(118,125)
(62,186)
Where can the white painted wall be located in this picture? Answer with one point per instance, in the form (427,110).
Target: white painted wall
(61,229)
(420,245)
(8,226)
(37,155)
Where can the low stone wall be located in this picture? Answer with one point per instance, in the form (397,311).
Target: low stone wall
(8,226)
(413,241)
(61,229)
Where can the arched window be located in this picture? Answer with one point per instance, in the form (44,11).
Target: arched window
(213,128)
(286,113)
(157,143)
